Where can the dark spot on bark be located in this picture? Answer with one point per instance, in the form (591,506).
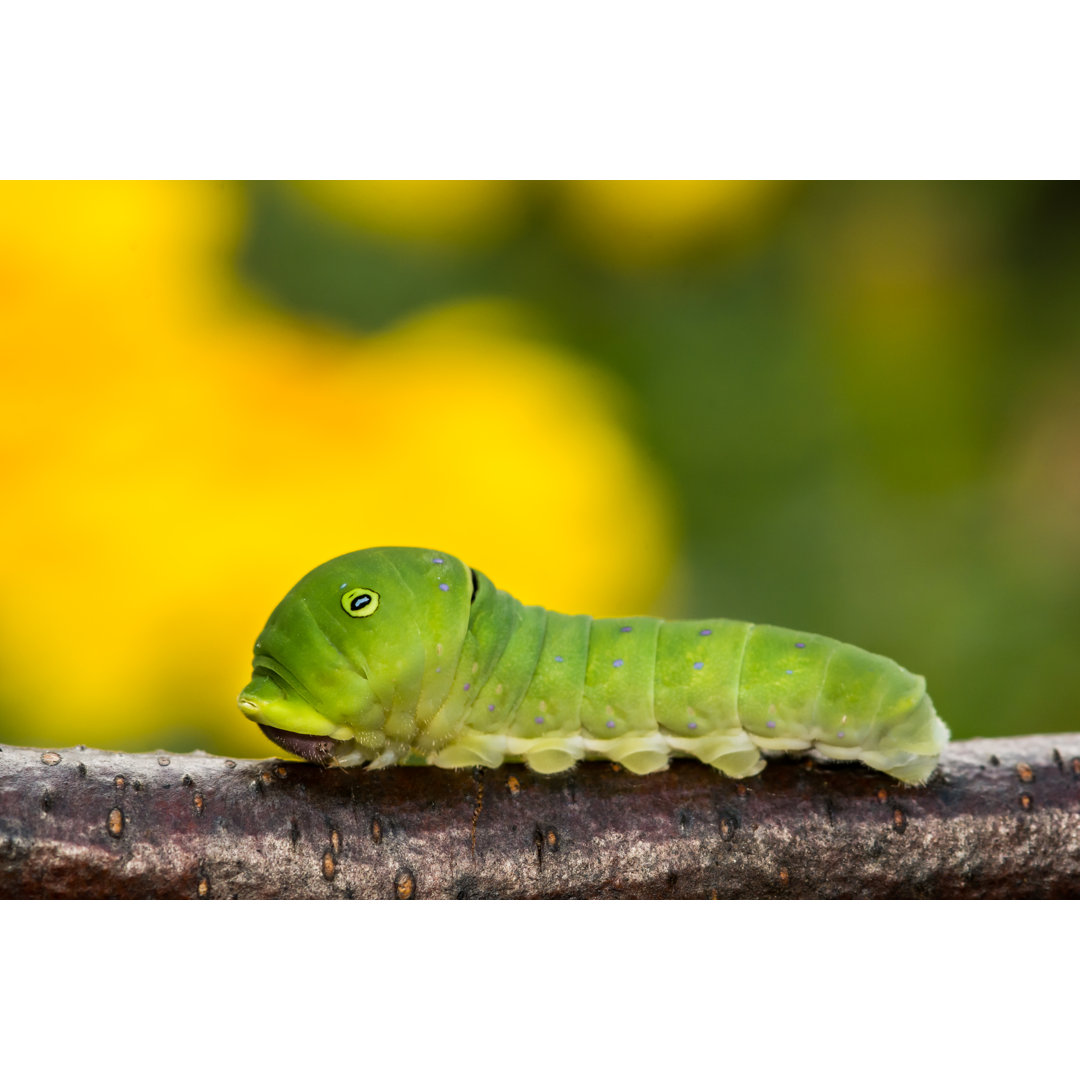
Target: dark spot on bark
(294,832)
(684,822)
(80,769)
(1059,761)
(137,785)
(187,781)
(951,795)
(256,785)
(46,801)
(994,759)
(467,887)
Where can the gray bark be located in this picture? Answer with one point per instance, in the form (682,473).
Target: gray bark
(1000,818)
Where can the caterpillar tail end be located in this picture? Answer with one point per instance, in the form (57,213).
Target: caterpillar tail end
(916,772)
(919,743)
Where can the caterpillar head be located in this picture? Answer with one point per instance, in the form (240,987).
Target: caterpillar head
(340,668)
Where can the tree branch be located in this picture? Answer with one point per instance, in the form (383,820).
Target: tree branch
(999,819)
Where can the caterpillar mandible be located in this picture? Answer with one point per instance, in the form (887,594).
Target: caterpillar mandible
(406,655)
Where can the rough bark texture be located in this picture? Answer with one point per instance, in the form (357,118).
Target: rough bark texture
(1001,818)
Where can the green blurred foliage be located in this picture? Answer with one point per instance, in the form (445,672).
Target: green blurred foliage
(868,407)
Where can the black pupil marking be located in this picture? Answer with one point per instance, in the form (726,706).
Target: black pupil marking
(475,584)
(359,602)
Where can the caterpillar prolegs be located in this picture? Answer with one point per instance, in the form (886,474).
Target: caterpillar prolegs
(406,655)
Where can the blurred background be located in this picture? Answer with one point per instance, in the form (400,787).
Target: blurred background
(852,408)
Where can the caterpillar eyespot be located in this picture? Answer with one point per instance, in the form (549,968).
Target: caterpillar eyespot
(419,683)
(360,603)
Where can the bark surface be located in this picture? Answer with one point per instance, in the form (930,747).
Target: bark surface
(1000,818)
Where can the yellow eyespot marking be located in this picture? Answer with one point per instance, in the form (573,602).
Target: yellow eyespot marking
(360,603)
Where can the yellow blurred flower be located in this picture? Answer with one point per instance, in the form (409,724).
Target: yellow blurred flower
(645,223)
(168,477)
(459,213)
(630,224)
(158,250)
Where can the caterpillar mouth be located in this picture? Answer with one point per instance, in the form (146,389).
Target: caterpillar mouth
(317,748)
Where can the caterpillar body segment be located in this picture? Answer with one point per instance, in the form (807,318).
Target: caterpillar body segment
(395,655)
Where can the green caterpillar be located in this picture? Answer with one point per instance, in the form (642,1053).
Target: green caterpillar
(405,655)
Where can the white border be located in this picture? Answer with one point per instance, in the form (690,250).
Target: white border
(546,989)
(774,88)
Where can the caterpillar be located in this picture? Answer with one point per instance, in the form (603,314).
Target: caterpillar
(398,655)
